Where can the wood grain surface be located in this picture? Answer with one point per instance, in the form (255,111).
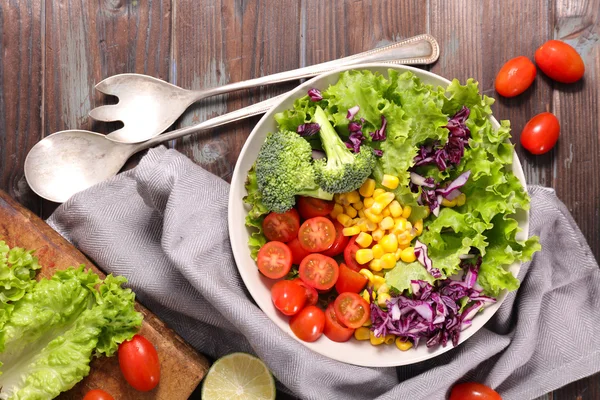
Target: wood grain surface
(55,51)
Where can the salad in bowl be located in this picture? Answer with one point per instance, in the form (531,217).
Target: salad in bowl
(379,214)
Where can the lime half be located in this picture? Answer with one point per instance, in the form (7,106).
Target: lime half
(238,376)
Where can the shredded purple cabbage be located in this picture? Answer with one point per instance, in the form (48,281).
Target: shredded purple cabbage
(378,152)
(356,138)
(423,258)
(315,94)
(354,127)
(352,112)
(432,195)
(380,134)
(308,129)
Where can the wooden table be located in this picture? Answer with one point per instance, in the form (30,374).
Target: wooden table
(53,52)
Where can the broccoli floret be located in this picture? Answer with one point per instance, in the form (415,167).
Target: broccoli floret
(284,169)
(343,171)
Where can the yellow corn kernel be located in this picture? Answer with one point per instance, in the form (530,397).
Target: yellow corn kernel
(358,205)
(399,252)
(363,226)
(362,333)
(367,274)
(382,298)
(368,202)
(364,239)
(386,212)
(404,238)
(363,256)
(389,243)
(378,273)
(390,181)
(395,209)
(418,227)
(389,339)
(382,201)
(378,281)
(350,211)
(448,203)
(336,198)
(375,265)
(365,295)
(427,212)
(343,219)
(377,250)
(408,255)
(402,246)
(406,211)
(388,260)
(401,225)
(367,188)
(361,213)
(375,341)
(371,226)
(351,231)
(373,217)
(384,288)
(461,199)
(377,192)
(368,321)
(401,343)
(386,223)
(353,196)
(377,234)
(337,210)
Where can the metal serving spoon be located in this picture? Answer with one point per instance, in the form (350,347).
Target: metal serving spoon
(147,106)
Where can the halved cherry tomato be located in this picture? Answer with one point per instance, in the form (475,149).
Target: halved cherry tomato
(309,207)
(274,260)
(288,297)
(541,133)
(351,310)
(139,363)
(308,324)
(97,394)
(316,234)
(319,271)
(515,76)
(350,280)
(298,252)
(281,227)
(340,242)
(560,61)
(312,297)
(333,329)
(473,391)
(350,255)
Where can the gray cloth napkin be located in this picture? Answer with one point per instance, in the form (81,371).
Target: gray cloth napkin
(163,225)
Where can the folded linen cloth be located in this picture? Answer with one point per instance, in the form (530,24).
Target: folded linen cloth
(163,225)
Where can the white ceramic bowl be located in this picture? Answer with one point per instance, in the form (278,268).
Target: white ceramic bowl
(353,352)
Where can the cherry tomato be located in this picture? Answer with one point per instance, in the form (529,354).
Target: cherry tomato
(333,329)
(473,391)
(309,207)
(340,242)
(319,271)
(308,324)
(312,297)
(560,61)
(274,260)
(541,133)
(515,76)
(351,310)
(282,227)
(139,363)
(298,252)
(97,394)
(316,234)
(350,255)
(350,281)
(288,297)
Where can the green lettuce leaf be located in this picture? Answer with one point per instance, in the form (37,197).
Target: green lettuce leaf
(256,215)
(400,276)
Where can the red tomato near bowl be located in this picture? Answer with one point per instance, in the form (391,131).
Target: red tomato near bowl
(309,207)
(515,76)
(350,255)
(97,394)
(274,260)
(288,297)
(340,242)
(333,329)
(312,297)
(350,280)
(298,252)
(308,324)
(560,61)
(139,363)
(316,234)
(351,310)
(281,227)
(473,391)
(319,271)
(541,133)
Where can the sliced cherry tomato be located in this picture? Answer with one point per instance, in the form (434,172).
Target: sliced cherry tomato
(309,207)
(515,76)
(288,297)
(560,61)
(274,260)
(298,252)
(312,297)
(139,363)
(473,391)
(316,234)
(350,280)
(333,329)
(319,271)
(340,242)
(541,133)
(350,255)
(97,394)
(282,227)
(308,324)
(351,310)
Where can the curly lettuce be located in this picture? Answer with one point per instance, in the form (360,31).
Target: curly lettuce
(256,215)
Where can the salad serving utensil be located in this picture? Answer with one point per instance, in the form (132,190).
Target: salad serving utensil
(148,106)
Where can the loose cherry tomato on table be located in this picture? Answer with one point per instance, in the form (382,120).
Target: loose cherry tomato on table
(139,363)
(309,207)
(515,76)
(97,394)
(351,310)
(316,234)
(308,324)
(541,133)
(350,255)
(340,242)
(312,297)
(560,61)
(281,227)
(350,280)
(319,271)
(298,252)
(288,297)
(274,260)
(473,391)
(333,329)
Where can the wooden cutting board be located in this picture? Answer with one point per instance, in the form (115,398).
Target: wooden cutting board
(182,368)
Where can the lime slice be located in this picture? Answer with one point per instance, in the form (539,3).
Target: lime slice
(238,376)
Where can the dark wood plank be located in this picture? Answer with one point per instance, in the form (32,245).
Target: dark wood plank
(21,93)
